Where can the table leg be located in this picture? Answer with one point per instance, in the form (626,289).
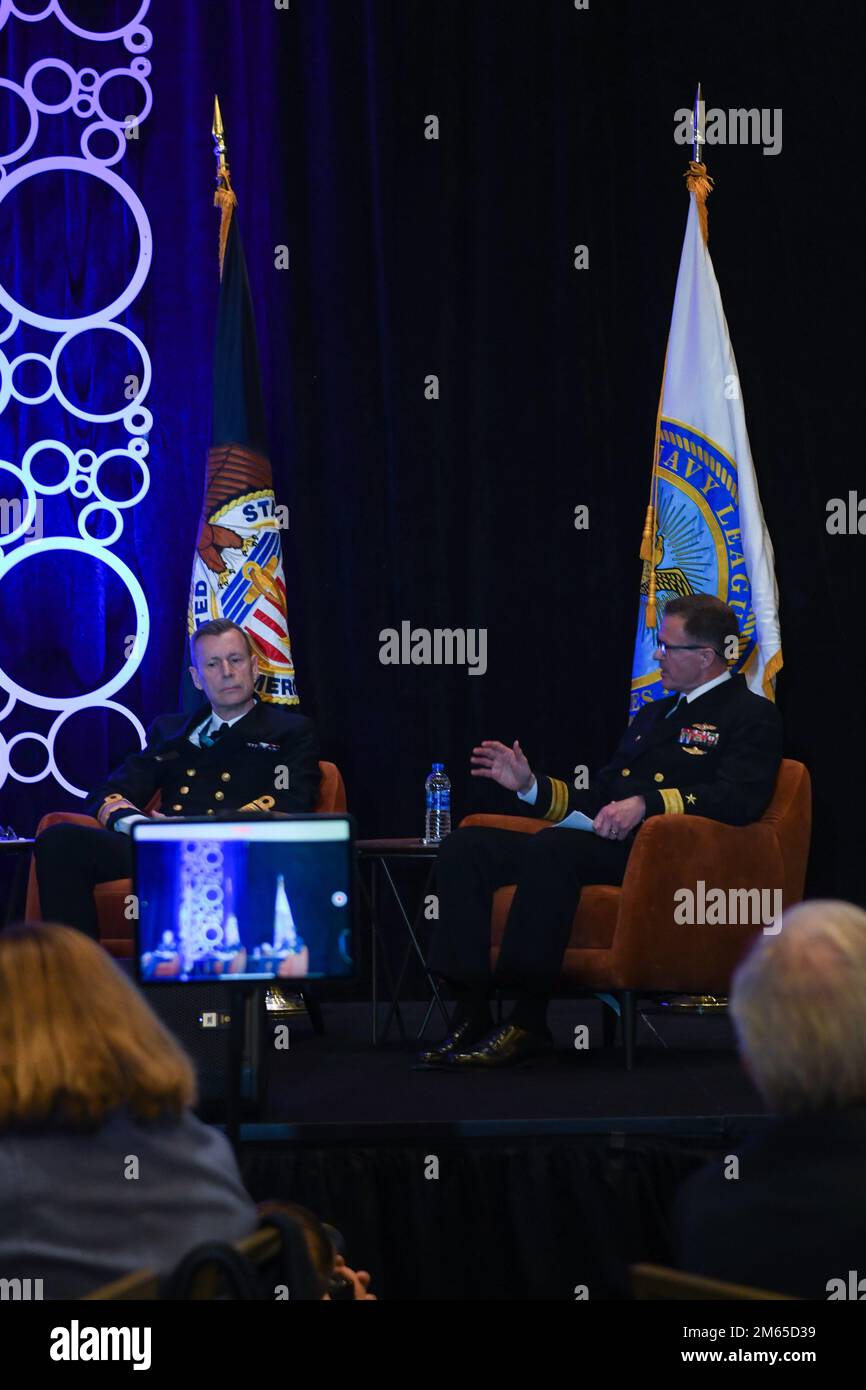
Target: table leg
(414,943)
(377,947)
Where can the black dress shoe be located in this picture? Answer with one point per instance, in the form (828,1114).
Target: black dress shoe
(462,1035)
(507,1046)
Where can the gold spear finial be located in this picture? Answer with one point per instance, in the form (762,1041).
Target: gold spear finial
(219,140)
(224,198)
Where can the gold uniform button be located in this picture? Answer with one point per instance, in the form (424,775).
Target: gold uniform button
(626,772)
(190,772)
(210,812)
(219,796)
(225,777)
(184,791)
(659,777)
(177,808)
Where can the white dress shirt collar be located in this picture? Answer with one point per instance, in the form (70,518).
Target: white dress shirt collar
(212,722)
(708,685)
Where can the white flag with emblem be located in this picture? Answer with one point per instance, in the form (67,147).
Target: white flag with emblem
(705,530)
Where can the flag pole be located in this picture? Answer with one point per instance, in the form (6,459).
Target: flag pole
(699,183)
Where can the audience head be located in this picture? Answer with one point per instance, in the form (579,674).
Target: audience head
(798,1003)
(77,1040)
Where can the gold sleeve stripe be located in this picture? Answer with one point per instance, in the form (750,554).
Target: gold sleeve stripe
(558,800)
(673,801)
(114,802)
(262,803)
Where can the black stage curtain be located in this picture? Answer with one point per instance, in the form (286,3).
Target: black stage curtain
(501,1221)
(454,257)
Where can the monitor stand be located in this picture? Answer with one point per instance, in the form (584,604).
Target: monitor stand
(239,992)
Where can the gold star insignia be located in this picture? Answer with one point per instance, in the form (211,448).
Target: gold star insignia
(691,799)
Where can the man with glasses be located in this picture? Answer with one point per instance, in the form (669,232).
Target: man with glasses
(711,749)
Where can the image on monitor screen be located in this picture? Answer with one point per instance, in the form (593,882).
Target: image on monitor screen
(246,900)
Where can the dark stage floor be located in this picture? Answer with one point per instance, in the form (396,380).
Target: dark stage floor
(687,1081)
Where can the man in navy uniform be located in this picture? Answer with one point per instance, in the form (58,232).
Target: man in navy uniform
(712,749)
(234,753)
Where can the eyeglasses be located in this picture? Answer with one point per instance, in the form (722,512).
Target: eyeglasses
(665,647)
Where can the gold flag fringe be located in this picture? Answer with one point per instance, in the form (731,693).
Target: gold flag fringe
(699,182)
(771,670)
(226,200)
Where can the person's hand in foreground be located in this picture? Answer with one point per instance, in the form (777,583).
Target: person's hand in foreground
(359,1279)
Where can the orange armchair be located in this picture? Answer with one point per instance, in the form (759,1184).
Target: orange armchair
(624,941)
(116,932)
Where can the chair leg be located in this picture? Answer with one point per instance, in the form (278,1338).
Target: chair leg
(314,1011)
(629,1018)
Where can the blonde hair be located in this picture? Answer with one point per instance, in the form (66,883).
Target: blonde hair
(77,1039)
(798,1003)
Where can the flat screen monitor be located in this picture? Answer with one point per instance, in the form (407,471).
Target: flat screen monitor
(244,899)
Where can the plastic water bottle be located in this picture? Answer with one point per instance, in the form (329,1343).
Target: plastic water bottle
(438,797)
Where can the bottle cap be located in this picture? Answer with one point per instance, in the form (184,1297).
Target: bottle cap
(438,767)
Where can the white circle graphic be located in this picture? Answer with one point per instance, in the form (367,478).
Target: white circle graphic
(51,108)
(125,332)
(19,738)
(110,129)
(77,709)
(131,28)
(31,357)
(34,123)
(59,164)
(145,479)
(100,507)
(49,489)
(85,93)
(30,511)
(127,671)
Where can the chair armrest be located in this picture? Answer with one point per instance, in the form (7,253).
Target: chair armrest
(66,818)
(33,910)
(525,824)
(671,853)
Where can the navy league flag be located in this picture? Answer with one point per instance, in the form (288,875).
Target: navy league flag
(705,530)
(237,569)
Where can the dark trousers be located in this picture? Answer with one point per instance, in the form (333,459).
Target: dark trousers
(549,869)
(70,861)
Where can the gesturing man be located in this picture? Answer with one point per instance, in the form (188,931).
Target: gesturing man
(712,749)
(234,753)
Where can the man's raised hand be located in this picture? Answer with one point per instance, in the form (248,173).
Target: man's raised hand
(507,766)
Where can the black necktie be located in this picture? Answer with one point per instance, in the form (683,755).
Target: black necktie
(208,740)
(671,712)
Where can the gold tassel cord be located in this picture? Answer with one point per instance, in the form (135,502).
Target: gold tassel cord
(226,200)
(647,545)
(651,618)
(699,182)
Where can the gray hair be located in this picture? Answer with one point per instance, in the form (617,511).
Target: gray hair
(798,1003)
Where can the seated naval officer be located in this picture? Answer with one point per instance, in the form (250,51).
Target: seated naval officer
(711,750)
(235,752)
